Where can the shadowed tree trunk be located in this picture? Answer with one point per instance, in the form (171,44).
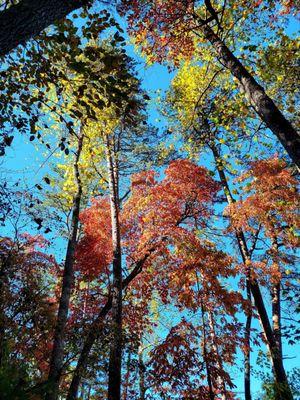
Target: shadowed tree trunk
(28,18)
(231,200)
(247,359)
(142,369)
(56,362)
(276,313)
(96,328)
(276,302)
(255,94)
(204,350)
(218,359)
(115,355)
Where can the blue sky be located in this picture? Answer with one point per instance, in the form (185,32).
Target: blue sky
(23,162)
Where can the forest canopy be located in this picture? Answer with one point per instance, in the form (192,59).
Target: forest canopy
(149,200)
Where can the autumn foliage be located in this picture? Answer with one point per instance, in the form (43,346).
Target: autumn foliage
(144,256)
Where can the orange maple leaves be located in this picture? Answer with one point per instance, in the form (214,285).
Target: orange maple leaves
(271,201)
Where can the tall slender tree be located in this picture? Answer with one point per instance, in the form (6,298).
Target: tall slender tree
(170,29)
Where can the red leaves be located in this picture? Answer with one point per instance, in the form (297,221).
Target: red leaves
(157,211)
(162,28)
(271,200)
(28,303)
(179,371)
(165,215)
(94,251)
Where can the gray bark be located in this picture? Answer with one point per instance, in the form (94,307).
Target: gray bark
(276,359)
(115,356)
(205,358)
(96,329)
(28,18)
(247,359)
(142,369)
(218,359)
(56,362)
(256,95)
(276,303)
(231,200)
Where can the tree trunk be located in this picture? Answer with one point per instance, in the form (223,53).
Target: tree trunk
(277,362)
(115,356)
(93,334)
(276,315)
(276,305)
(56,362)
(255,94)
(205,358)
(245,256)
(28,18)
(247,359)
(142,369)
(96,329)
(218,360)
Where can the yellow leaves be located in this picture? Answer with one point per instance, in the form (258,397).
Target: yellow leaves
(288,272)
(83,285)
(154,308)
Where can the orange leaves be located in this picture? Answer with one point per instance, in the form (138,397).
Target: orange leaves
(94,251)
(158,210)
(166,215)
(272,201)
(163,28)
(181,368)
(27,298)
(157,213)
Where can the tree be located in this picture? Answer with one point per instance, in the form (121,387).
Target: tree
(271,204)
(27,315)
(207,124)
(180,199)
(169,30)
(153,295)
(57,356)
(27,19)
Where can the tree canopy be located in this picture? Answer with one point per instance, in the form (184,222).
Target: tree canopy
(149,202)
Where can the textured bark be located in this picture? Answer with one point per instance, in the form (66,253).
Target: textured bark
(115,354)
(276,304)
(96,329)
(255,94)
(93,334)
(247,359)
(276,359)
(205,358)
(142,370)
(218,359)
(276,315)
(56,362)
(28,18)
